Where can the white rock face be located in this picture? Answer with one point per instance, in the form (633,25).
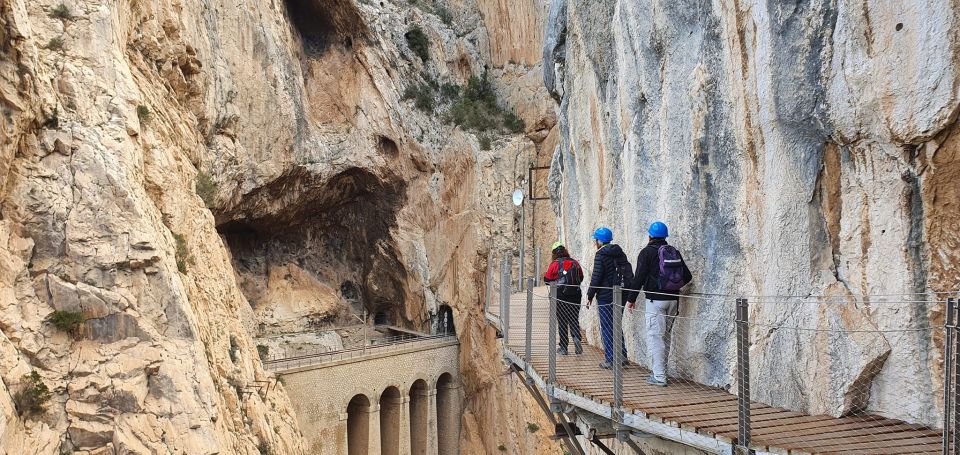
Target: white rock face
(328,193)
(801,149)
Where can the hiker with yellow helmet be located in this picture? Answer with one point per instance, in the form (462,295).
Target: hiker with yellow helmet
(565,272)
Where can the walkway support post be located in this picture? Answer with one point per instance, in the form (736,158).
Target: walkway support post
(617,411)
(552,351)
(528,353)
(949,329)
(505,286)
(743,377)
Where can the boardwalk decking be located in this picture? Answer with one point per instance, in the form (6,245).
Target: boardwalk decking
(710,411)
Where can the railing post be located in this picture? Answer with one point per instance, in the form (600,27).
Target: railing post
(949,329)
(537,276)
(743,377)
(956,380)
(488,286)
(617,411)
(552,351)
(528,353)
(505,286)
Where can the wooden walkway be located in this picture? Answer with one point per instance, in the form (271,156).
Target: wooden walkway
(710,411)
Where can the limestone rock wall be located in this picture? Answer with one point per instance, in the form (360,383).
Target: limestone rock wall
(189,175)
(798,148)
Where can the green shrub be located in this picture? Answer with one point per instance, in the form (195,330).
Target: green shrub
(449,91)
(206,189)
(66,321)
(513,123)
(264,448)
(418,43)
(264,352)
(32,398)
(502,448)
(61,12)
(182,254)
(143,112)
(477,108)
(485,142)
(422,96)
(55,44)
(444,14)
(532,427)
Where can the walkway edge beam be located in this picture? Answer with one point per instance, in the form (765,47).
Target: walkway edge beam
(634,421)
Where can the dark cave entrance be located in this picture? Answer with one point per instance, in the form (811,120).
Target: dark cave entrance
(336,231)
(322,24)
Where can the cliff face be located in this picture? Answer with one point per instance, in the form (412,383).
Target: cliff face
(190,175)
(793,149)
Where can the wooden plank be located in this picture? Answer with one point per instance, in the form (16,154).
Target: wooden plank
(873,438)
(832,434)
(757,423)
(891,447)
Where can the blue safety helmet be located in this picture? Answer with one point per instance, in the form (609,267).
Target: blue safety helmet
(603,235)
(658,229)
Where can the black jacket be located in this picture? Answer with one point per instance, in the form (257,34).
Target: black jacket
(648,272)
(608,266)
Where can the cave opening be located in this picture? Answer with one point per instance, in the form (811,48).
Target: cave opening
(313,251)
(322,24)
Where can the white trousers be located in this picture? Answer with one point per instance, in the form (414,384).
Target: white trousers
(660,316)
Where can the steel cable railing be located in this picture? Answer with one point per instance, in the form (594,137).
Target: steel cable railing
(825,376)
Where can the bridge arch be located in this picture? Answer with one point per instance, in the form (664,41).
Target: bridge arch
(391,406)
(448,433)
(419,417)
(358,425)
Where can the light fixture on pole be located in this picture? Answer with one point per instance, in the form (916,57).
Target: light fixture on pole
(518,201)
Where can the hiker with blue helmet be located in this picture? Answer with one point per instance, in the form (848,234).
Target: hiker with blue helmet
(565,273)
(610,268)
(661,273)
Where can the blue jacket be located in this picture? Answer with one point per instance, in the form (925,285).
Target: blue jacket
(610,267)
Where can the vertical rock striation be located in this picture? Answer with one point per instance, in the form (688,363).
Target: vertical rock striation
(798,148)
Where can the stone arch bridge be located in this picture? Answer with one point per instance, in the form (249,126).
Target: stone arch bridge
(395,399)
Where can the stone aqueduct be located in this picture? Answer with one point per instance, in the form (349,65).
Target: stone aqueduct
(401,402)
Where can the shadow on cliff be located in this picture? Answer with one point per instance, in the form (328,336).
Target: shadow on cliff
(315,248)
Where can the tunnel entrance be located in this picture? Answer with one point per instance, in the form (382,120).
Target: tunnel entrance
(444,323)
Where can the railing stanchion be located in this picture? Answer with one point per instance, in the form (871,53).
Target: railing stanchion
(552,351)
(947,372)
(617,410)
(743,377)
(505,286)
(528,353)
(537,276)
(956,380)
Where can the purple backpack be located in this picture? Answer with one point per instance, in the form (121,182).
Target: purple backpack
(671,269)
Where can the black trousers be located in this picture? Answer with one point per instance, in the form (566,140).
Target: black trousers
(568,318)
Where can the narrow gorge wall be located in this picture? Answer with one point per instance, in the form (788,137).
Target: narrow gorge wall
(794,148)
(190,175)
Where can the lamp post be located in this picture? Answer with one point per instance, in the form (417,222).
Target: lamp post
(518,201)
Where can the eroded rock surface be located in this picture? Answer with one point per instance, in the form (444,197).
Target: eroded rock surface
(800,149)
(190,175)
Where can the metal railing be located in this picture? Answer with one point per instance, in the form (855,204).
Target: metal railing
(820,376)
(378,347)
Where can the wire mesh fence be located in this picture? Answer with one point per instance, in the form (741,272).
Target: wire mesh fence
(797,374)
